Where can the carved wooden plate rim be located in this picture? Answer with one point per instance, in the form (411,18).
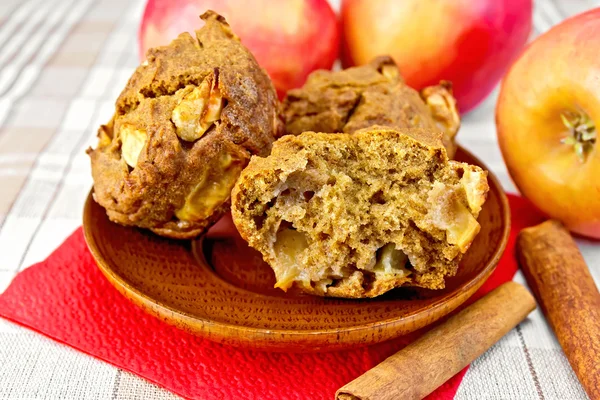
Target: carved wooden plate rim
(299,339)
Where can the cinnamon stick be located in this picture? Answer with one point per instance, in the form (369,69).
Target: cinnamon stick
(557,274)
(425,364)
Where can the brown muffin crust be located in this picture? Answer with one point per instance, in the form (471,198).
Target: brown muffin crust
(184,127)
(355,215)
(369,95)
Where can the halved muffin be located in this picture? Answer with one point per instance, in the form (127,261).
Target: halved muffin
(184,127)
(355,215)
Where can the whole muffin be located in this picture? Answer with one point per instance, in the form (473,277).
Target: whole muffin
(183,129)
(355,215)
(373,94)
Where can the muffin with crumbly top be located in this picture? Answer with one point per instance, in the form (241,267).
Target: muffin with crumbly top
(184,127)
(355,215)
(368,95)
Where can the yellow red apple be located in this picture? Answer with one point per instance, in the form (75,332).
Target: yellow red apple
(468,42)
(289,38)
(546,116)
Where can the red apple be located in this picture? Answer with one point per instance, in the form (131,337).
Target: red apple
(468,42)
(547,116)
(289,38)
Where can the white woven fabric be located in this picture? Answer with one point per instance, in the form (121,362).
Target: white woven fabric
(62,64)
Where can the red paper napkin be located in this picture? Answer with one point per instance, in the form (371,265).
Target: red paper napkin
(68,299)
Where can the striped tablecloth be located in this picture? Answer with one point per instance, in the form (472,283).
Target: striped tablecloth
(62,65)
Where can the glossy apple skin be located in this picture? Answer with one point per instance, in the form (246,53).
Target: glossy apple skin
(289,38)
(558,72)
(468,42)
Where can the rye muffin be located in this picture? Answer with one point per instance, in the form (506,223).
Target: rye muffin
(355,215)
(373,94)
(184,127)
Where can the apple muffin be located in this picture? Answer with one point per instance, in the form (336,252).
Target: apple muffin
(183,129)
(373,94)
(355,215)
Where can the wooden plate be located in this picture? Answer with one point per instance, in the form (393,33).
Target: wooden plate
(219,288)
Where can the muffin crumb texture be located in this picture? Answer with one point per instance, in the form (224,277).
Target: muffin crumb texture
(355,215)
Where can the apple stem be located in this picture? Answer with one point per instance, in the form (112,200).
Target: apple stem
(582,133)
